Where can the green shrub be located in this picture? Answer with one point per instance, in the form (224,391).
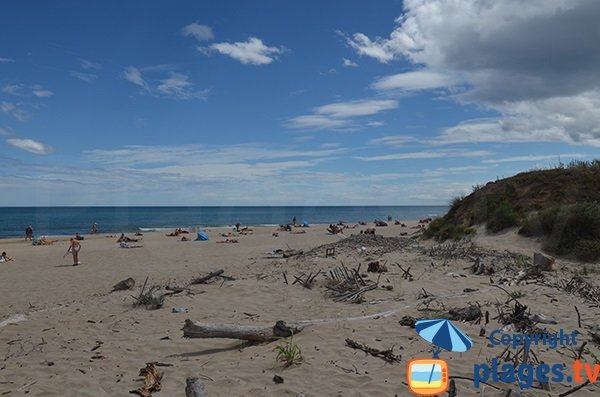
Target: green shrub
(443,230)
(587,250)
(502,217)
(568,229)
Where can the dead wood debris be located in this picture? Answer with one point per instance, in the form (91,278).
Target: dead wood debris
(152,378)
(210,277)
(306,280)
(154,297)
(408,321)
(376,267)
(469,313)
(387,355)
(345,285)
(122,285)
(372,243)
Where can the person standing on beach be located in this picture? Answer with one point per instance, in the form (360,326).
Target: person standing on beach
(94,228)
(29,233)
(74,248)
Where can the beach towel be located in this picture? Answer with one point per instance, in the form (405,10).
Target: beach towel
(202,236)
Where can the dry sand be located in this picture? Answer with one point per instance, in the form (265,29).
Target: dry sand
(54,316)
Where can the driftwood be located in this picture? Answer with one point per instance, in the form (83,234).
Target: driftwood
(291,252)
(387,355)
(122,285)
(154,297)
(376,267)
(306,280)
(194,387)
(253,333)
(469,313)
(209,276)
(347,285)
(452,389)
(152,378)
(408,321)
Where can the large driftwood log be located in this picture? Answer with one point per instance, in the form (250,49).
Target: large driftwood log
(202,280)
(253,333)
(195,388)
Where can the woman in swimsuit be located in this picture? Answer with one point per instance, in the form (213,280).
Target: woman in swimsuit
(74,249)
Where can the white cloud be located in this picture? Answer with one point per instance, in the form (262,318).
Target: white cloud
(42,93)
(447,153)
(5,130)
(134,76)
(141,155)
(175,85)
(376,124)
(528,158)
(378,49)
(13,110)
(339,115)
(178,86)
(199,32)
(348,63)
(87,77)
(25,91)
(253,51)
(414,81)
(29,145)
(89,65)
(6,60)
(356,108)
(393,140)
(316,122)
(508,57)
(13,89)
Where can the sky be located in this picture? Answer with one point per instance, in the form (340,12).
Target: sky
(339,102)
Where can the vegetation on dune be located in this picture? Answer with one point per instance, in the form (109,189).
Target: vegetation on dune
(561,205)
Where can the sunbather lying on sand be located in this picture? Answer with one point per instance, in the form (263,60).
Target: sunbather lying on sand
(124,238)
(228,240)
(125,245)
(335,229)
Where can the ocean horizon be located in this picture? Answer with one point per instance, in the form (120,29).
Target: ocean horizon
(59,221)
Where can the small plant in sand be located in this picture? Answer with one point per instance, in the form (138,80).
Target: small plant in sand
(521,261)
(288,352)
(517,294)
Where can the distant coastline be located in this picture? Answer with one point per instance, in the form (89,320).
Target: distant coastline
(57,221)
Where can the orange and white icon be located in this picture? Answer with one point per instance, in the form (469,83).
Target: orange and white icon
(427,376)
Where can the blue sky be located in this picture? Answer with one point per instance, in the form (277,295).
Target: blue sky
(290,103)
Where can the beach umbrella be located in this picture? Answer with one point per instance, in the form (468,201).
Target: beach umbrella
(443,334)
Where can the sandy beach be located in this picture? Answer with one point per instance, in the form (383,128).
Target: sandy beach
(63,333)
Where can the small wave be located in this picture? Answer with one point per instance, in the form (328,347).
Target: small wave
(155,229)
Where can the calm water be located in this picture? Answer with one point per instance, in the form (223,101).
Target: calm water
(69,220)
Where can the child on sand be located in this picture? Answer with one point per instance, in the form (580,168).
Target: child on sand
(5,258)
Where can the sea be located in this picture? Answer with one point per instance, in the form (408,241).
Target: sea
(59,221)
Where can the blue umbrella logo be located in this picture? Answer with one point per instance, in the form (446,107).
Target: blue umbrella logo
(444,335)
